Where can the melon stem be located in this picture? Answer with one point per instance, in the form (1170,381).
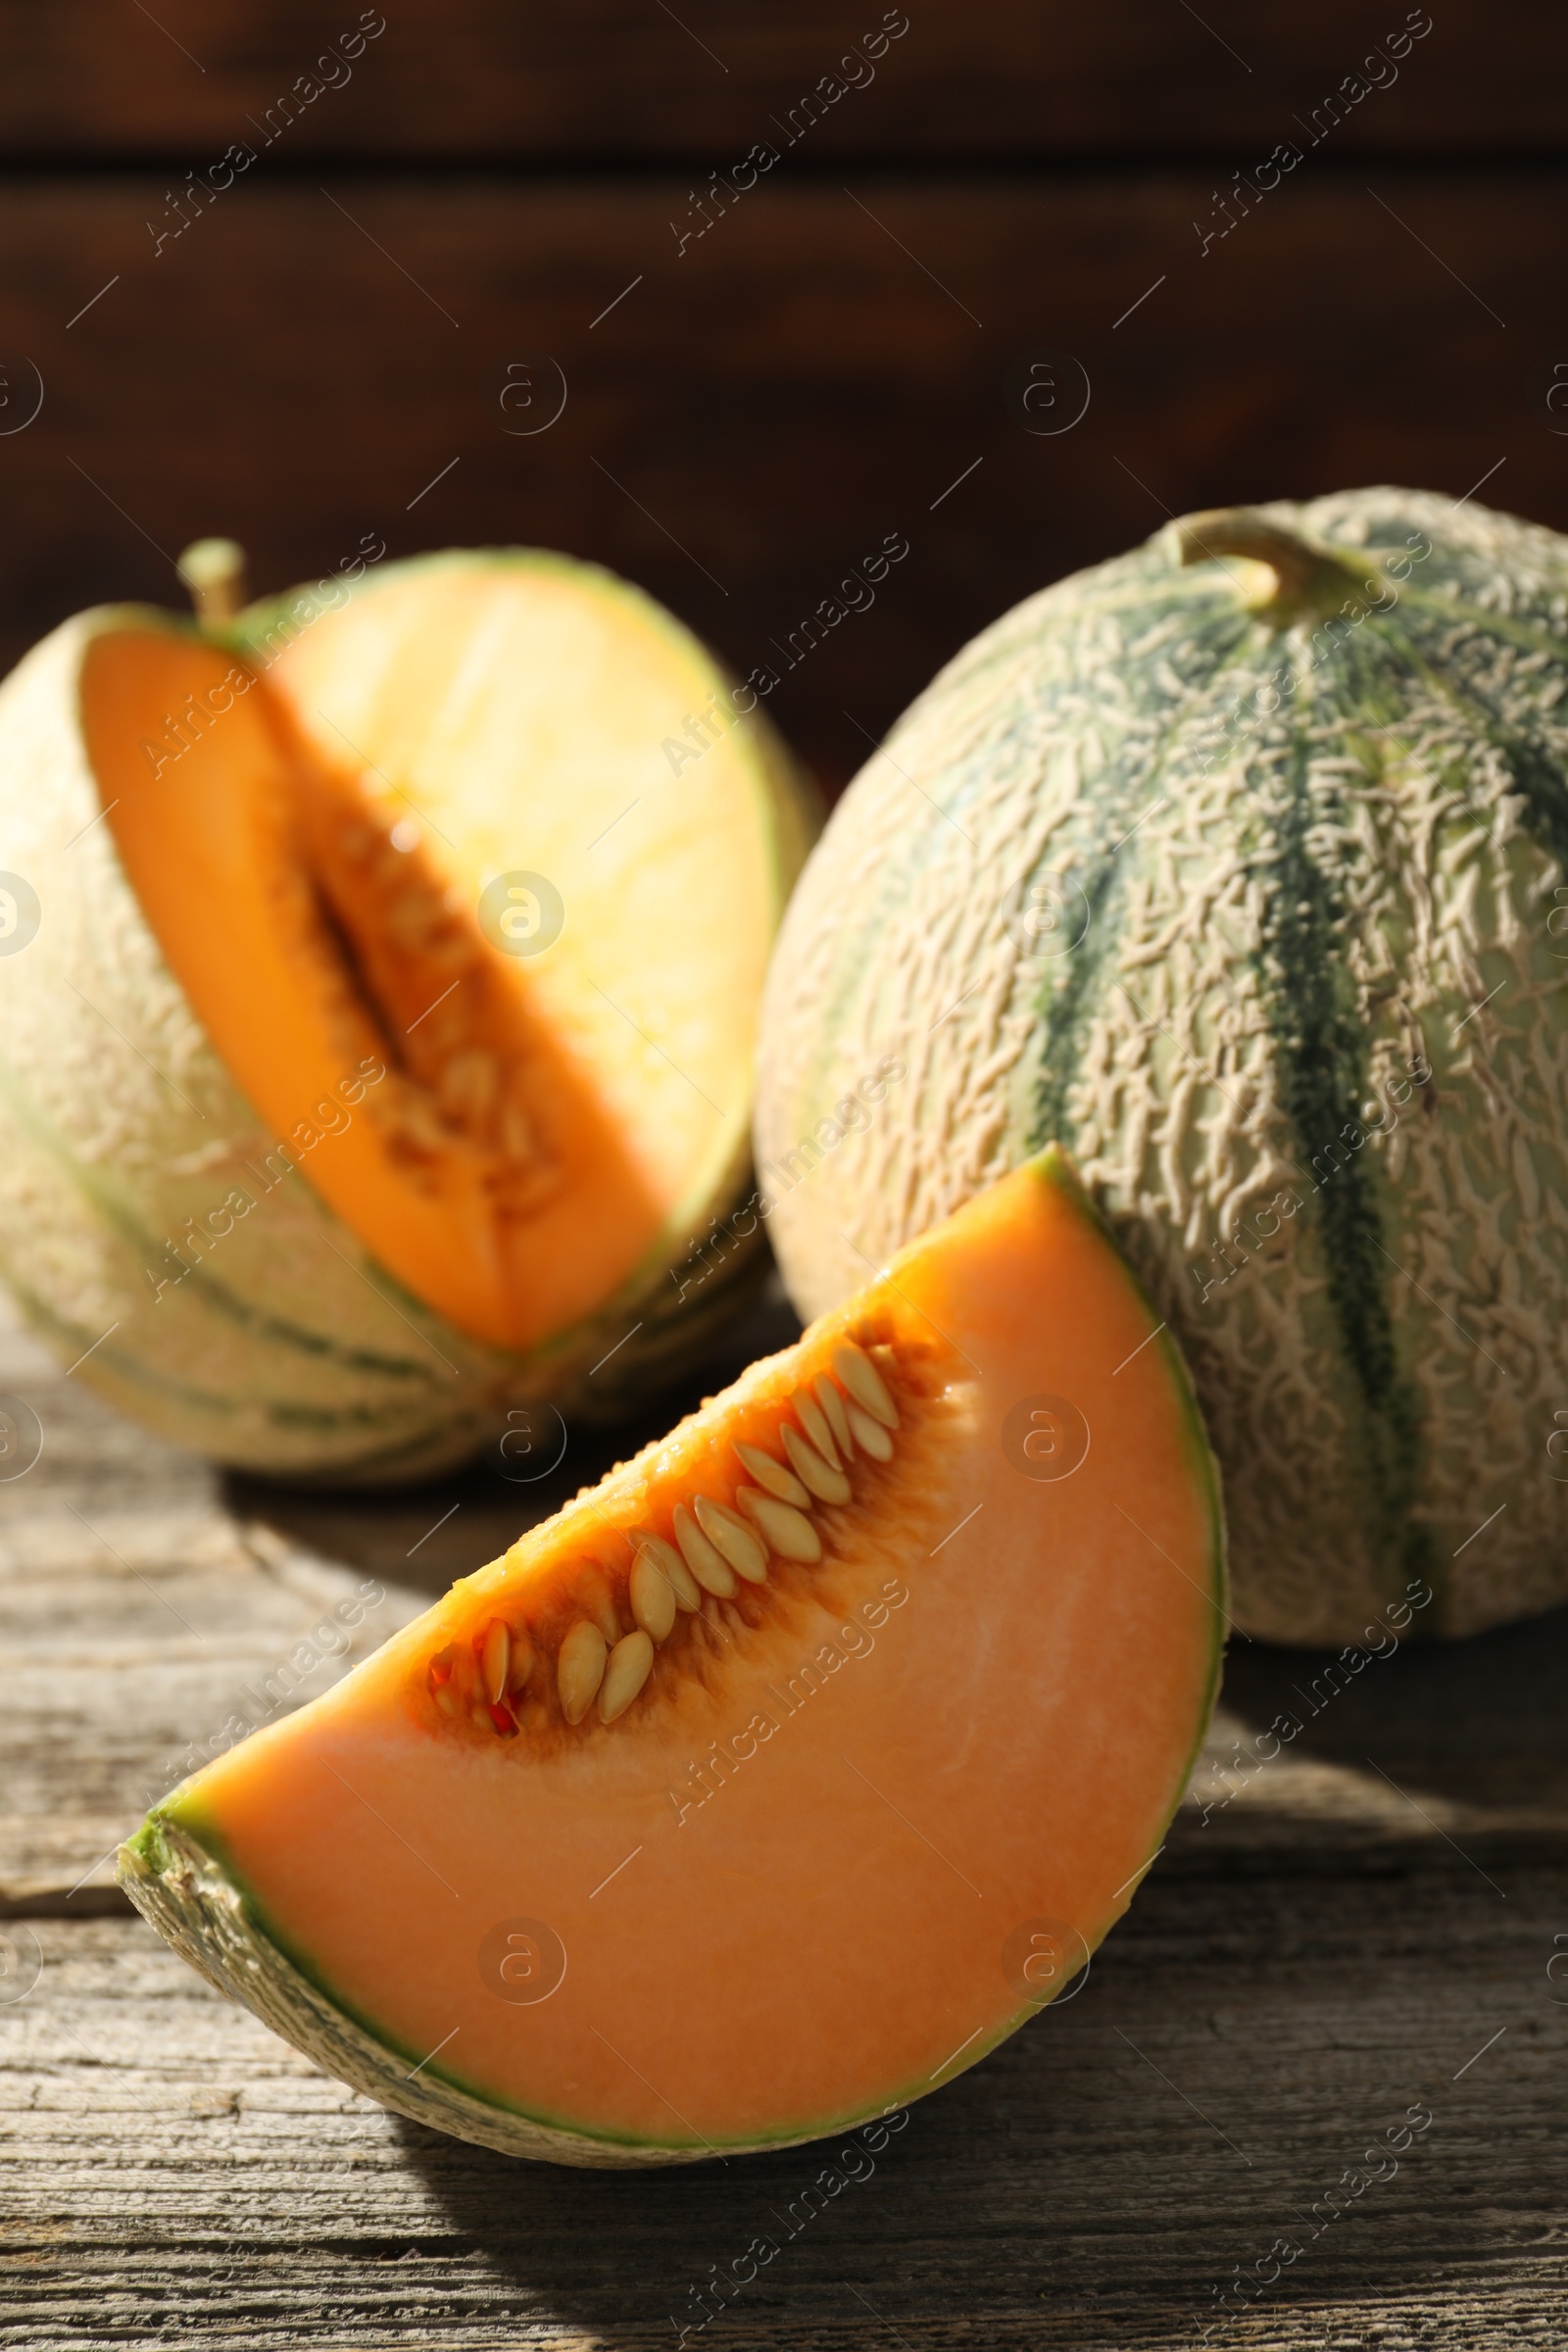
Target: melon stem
(1307,577)
(214,570)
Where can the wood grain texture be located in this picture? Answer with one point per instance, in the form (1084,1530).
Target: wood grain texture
(176,2174)
(620,78)
(152,1611)
(1360,1924)
(749,417)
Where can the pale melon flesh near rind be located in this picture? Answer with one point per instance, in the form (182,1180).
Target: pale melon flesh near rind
(288,1348)
(826,1935)
(1252,908)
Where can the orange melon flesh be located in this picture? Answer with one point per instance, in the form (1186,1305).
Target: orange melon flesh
(795,1882)
(312,866)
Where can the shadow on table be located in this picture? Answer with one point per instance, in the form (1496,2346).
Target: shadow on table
(1094,2180)
(425,1535)
(1482,1721)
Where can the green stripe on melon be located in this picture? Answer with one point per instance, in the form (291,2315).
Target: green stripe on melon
(1290,783)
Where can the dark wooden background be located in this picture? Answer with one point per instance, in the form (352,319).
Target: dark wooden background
(333,330)
(1379,1919)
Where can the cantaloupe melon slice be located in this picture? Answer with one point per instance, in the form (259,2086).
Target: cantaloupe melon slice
(781,1776)
(388,1036)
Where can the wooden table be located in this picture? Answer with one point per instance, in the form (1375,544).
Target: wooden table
(1362,1928)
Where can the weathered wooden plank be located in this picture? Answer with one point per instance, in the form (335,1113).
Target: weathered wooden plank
(174,2172)
(151,1612)
(747,420)
(479,78)
(137,1614)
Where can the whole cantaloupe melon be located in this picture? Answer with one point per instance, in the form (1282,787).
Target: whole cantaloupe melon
(377,1003)
(1239,864)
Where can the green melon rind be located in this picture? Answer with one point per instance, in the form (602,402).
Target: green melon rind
(1383,1381)
(187,1888)
(184,1892)
(121,1122)
(202,1912)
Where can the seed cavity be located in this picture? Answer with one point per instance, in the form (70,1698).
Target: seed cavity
(652,1597)
(518,1139)
(580,1669)
(468,1087)
(870,1436)
(788,1531)
(712,1572)
(830,1397)
(439,1679)
(629,1665)
(772,1476)
(864,1384)
(820,1478)
(483,1680)
(746,1554)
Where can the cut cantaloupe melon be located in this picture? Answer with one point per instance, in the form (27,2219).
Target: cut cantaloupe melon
(388,1034)
(781,1776)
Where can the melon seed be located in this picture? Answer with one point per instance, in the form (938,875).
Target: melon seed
(495,1659)
(594,1596)
(517,1138)
(827,1484)
(468,1084)
(580,1669)
(734,1539)
(415,1115)
(866,1384)
(630,1663)
(521,1666)
(870,1436)
(814,1423)
(789,1531)
(712,1572)
(830,1397)
(651,1596)
(684,1586)
(774,1475)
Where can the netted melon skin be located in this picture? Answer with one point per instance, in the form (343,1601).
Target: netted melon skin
(1266,916)
(287,1349)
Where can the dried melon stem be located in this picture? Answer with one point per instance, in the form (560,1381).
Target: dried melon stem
(1305,578)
